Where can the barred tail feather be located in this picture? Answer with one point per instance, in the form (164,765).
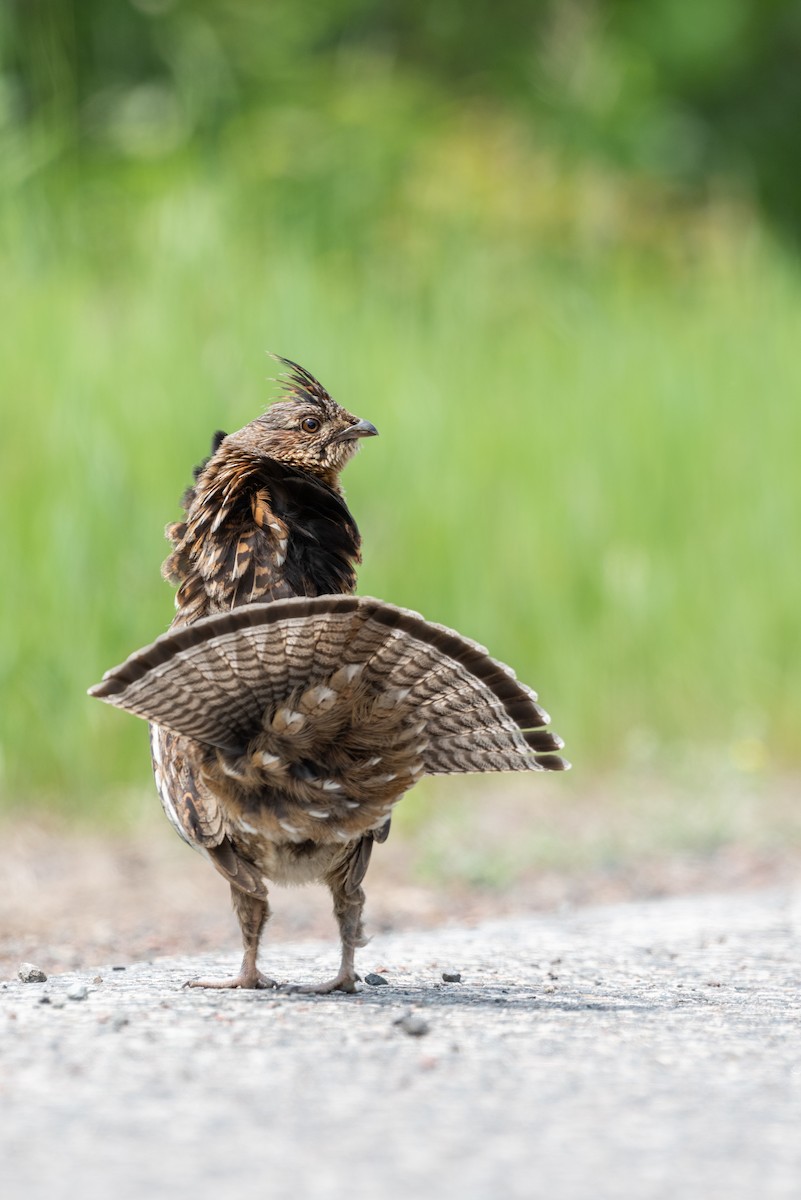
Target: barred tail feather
(339,678)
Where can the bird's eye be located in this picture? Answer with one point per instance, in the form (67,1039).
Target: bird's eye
(310,424)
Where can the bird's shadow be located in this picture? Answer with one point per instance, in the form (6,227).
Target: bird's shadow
(398,997)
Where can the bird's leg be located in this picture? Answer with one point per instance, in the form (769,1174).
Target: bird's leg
(348,908)
(253,914)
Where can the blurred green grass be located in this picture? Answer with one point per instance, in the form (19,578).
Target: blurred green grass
(588,461)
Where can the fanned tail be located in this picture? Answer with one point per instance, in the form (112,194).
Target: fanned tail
(335,705)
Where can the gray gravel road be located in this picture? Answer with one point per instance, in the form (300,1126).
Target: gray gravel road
(646,1050)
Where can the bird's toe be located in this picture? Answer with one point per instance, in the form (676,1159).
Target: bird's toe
(246,980)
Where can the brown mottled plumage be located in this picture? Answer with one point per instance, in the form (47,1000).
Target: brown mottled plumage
(288,716)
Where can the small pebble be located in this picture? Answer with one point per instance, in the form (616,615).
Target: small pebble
(118,967)
(412,1024)
(119,1021)
(375,980)
(28,973)
(78,991)
(447,977)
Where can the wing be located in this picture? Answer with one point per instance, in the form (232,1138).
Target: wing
(193,809)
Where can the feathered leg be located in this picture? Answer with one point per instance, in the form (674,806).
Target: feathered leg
(253,914)
(348,896)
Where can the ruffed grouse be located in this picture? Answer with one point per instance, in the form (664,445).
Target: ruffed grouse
(289,716)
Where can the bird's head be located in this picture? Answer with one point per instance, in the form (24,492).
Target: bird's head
(307,429)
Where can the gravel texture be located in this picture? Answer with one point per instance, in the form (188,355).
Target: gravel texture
(643,1050)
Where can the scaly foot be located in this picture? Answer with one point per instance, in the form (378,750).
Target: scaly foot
(245,979)
(345,981)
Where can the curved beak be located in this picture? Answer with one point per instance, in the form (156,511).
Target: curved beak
(359,430)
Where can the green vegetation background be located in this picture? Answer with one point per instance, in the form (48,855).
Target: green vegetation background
(550,255)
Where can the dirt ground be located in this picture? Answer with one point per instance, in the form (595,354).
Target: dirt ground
(71,900)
